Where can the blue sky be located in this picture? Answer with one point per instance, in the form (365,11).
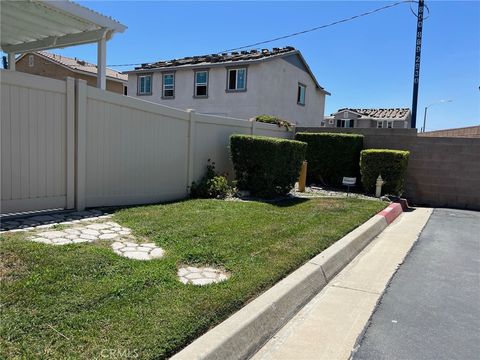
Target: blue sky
(367,62)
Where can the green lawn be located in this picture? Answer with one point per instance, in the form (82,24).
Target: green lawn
(74,301)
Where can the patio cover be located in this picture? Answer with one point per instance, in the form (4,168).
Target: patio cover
(35,25)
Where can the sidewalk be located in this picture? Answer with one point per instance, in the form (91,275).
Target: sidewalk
(330,324)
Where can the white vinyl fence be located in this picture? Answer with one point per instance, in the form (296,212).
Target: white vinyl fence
(67,145)
(37,149)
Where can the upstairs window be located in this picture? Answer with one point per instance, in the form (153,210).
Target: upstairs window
(168,91)
(145,85)
(30,60)
(345,123)
(301,94)
(384,124)
(237,79)
(201,83)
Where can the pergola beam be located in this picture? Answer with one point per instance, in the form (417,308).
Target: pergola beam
(57,42)
(36,25)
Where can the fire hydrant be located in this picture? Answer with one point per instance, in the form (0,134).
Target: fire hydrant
(379,184)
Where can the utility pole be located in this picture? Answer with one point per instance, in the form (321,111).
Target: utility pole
(416,69)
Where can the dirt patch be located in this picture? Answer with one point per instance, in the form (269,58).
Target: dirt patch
(11,267)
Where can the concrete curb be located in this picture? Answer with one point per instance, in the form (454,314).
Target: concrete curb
(239,336)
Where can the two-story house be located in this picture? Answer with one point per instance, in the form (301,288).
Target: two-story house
(394,118)
(239,84)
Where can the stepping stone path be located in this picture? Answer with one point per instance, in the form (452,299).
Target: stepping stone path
(92,225)
(101,231)
(45,221)
(201,276)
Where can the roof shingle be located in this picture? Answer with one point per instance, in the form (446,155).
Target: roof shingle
(392,113)
(81,65)
(219,58)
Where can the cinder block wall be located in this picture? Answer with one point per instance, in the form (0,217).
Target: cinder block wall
(442,172)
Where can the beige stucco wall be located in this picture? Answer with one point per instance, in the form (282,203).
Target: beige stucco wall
(278,91)
(271,89)
(44,67)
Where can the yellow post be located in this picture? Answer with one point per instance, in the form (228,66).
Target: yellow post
(303,177)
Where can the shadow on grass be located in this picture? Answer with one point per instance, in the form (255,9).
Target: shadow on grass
(280,202)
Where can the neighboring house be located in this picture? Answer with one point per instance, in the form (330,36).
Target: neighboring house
(238,84)
(464,132)
(370,118)
(59,67)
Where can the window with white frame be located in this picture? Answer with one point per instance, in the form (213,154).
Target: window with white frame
(145,84)
(301,94)
(30,60)
(237,79)
(331,121)
(384,124)
(168,90)
(201,83)
(345,123)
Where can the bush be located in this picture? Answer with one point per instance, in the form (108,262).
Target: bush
(212,185)
(390,164)
(270,119)
(266,166)
(331,156)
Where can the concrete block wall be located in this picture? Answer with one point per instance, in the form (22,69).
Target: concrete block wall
(442,172)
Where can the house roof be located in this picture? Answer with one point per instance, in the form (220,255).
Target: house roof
(391,114)
(77,65)
(46,24)
(236,57)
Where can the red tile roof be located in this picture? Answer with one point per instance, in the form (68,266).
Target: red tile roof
(394,113)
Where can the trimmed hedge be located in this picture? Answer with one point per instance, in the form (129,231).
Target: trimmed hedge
(331,156)
(270,119)
(390,164)
(266,166)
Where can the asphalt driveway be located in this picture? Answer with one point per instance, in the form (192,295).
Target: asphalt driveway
(431,309)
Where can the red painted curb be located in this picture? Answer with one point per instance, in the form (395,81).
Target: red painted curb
(391,212)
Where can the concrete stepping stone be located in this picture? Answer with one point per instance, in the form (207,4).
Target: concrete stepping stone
(101,231)
(137,251)
(201,275)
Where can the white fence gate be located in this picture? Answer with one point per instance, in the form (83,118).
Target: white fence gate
(66,145)
(37,149)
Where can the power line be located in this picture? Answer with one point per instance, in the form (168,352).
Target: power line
(308,30)
(320,27)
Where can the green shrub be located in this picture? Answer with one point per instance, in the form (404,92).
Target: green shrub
(266,166)
(331,156)
(270,119)
(212,185)
(390,164)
